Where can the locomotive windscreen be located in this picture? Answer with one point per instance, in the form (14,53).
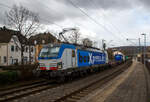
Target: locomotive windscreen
(49,51)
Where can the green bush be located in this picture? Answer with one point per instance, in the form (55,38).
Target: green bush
(8,77)
(20,67)
(25,72)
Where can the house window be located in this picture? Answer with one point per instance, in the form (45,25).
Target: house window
(5,59)
(26,49)
(12,48)
(16,48)
(31,49)
(31,59)
(15,61)
(25,60)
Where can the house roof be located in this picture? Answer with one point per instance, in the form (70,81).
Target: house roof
(6,35)
(39,38)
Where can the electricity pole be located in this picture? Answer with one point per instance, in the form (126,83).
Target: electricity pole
(144,48)
(139,45)
(103,44)
(135,52)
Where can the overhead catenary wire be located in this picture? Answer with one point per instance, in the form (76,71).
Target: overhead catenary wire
(5,6)
(105,28)
(42,18)
(76,25)
(114,26)
(94,5)
(89,16)
(86,14)
(104,16)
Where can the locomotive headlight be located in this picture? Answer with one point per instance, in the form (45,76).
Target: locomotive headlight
(59,65)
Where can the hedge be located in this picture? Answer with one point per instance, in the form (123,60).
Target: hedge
(25,72)
(7,77)
(20,67)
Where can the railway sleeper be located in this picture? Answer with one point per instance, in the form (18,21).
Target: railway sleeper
(76,97)
(70,100)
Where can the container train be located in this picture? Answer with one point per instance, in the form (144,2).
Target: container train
(63,60)
(118,56)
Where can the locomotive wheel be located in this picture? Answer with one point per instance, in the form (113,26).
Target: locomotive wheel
(60,79)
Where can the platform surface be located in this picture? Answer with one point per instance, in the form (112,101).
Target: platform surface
(131,86)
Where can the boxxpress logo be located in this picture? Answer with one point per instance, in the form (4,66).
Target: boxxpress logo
(97,58)
(90,58)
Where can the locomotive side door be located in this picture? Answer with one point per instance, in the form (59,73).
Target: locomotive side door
(69,58)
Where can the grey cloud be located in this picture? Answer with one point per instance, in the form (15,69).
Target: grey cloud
(145,3)
(59,10)
(52,10)
(103,4)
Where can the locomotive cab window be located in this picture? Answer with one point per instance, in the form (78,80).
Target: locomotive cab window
(49,51)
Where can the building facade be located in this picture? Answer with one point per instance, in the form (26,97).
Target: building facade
(10,49)
(10,46)
(9,52)
(41,39)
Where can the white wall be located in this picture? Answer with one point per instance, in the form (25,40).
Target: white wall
(16,54)
(26,53)
(3,53)
(13,55)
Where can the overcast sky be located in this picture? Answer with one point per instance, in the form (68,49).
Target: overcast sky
(108,19)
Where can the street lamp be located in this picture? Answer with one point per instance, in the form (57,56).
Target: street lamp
(144,47)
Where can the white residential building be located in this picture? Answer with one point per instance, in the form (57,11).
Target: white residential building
(28,51)
(10,52)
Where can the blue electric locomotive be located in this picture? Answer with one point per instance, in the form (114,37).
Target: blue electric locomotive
(63,60)
(64,56)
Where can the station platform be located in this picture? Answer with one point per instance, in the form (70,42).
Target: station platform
(133,85)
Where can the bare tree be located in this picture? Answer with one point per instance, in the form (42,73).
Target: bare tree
(71,35)
(74,37)
(110,54)
(55,33)
(24,21)
(87,42)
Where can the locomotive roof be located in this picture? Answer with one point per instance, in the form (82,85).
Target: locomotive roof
(82,47)
(79,45)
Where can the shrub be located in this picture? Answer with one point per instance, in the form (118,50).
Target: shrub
(8,77)
(25,72)
(20,67)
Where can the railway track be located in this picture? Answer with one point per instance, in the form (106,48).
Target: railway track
(25,83)
(24,90)
(27,90)
(77,95)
